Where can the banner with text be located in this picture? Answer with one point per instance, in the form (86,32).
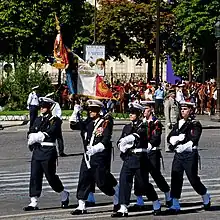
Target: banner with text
(95,57)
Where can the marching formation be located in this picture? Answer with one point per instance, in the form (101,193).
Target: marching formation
(139,145)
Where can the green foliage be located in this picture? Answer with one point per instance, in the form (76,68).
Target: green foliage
(27,27)
(17,86)
(129,28)
(85,34)
(27,34)
(195,22)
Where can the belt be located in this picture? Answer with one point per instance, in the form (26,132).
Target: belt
(139,150)
(49,144)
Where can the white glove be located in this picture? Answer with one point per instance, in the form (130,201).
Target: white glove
(36,138)
(175,139)
(181,137)
(124,148)
(31,139)
(95,149)
(28,107)
(149,147)
(185,147)
(125,140)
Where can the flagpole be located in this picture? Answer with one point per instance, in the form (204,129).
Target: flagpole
(94,36)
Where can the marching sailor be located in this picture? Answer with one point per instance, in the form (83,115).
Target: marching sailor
(133,144)
(33,104)
(41,140)
(154,132)
(95,163)
(184,139)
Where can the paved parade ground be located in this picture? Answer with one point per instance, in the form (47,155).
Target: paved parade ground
(15,171)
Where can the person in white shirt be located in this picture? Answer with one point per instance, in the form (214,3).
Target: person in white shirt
(33,104)
(215,95)
(179,94)
(56,111)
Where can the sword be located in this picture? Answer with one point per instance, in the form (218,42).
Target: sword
(86,157)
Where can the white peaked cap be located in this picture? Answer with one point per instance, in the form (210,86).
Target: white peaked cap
(94,103)
(185,103)
(136,105)
(45,99)
(147,103)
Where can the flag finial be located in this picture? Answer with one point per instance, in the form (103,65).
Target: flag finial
(57,23)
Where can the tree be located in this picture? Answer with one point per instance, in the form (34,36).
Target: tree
(129,28)
(16,87)
(85,34)
(194,23)
(27,27)
(27,33)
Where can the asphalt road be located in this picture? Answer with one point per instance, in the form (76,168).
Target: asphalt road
(14,180)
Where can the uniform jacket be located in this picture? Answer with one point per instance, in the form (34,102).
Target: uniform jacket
(154,132)
(149,132)
(192,130)
(50,126)
(103,133)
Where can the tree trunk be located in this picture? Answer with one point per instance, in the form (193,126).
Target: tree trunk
(150,69)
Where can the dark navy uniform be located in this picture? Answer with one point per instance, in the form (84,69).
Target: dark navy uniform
(99,162)
(45,155)
(95,163)
(184,139)
(154,132)
(41,140)
(134,165)
(85,125)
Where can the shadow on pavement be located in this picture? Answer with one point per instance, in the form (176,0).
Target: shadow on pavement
(72,155)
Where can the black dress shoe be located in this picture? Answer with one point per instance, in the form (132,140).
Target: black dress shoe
(116,208)
(78,212)
(169,203)
(119,215)
(90,204)
(65,204)
(207,206)
(63,155)
(172,212)
(30,208)
(157,212)
(136,208)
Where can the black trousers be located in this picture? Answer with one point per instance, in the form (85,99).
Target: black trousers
(108,166)
(155,171)
(47,167)
(99,174)
(60,141)
(159,107)
(135,165)
(188,162)
(33,110)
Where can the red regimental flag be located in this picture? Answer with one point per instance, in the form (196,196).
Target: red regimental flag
(60,51)
(102,89)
